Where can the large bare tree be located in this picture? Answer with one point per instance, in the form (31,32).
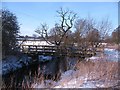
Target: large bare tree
(59,33)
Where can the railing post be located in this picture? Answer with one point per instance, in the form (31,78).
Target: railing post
(22,49)
(28,48)
(36,48)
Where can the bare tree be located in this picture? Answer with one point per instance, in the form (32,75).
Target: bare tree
(90,34)
(58,34)
(104,26)
(93,37)
(83,27)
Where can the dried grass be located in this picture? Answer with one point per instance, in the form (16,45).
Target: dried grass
(100,70)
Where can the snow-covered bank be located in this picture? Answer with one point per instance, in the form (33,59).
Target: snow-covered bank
(71,79)
(108,54)
(43,58)
(13,63)
(97,72)
(111,54)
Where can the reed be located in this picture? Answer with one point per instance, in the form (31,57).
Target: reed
(105,71)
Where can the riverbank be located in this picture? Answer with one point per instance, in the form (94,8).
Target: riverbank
(95,72)
(87,76)
(99,74)
(13,63)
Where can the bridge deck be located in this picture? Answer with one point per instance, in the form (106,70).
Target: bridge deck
(51,50)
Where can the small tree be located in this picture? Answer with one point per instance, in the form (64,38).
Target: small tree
(10,30)
(89,30)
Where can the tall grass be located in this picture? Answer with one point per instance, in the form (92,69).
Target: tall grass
(101,71)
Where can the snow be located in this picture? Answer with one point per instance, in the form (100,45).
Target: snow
(104,44)
(13,63)
(74,82)
(80,82)
(111,54)
(44,58)
(38,85)
(68,80)
(67,73)
(108,49)
(37,43)
(94,57)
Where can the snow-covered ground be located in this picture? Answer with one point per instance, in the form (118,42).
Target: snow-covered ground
(13,63)
(69,79)
(111,54)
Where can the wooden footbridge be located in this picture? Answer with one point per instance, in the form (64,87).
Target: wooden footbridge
(35,50)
